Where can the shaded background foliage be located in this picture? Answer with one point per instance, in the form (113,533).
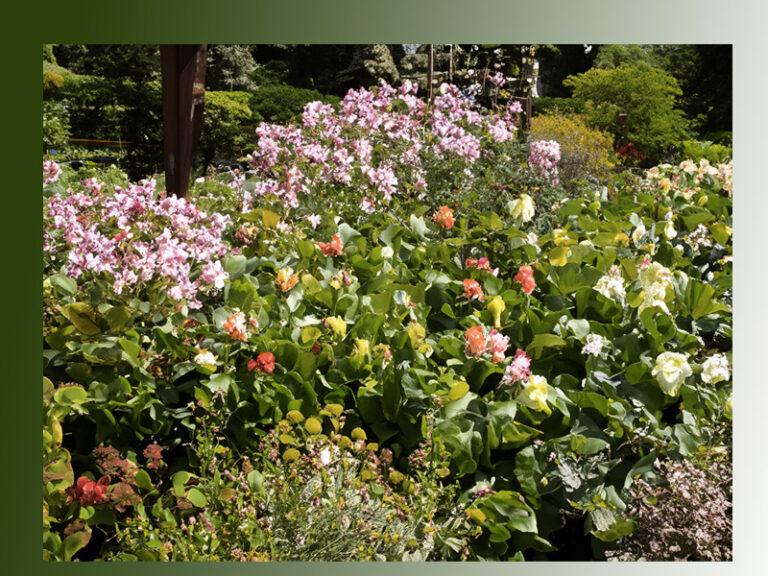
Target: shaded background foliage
(112,92)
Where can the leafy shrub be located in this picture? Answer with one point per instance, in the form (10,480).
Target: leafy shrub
(714,153)
(283,103)
(228,131)
(56,129)
(647,96)
(586,153)
(546,105)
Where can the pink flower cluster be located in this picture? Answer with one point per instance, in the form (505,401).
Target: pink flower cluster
(333,149)
(544,157)
(51,172)
(135,236)
(519,370)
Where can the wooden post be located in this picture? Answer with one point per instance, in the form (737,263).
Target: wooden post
(450,63)
(183,73)
(430,70)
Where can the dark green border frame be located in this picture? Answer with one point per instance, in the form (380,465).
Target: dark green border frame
(28,25)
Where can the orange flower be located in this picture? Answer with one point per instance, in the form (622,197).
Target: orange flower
(473,290)
(286,279)
(475,341)
(235,326)
(444,217)
(332,248)
(525,277)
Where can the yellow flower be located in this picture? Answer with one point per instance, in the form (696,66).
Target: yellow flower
(497,306)
(560,236)
(362,347)
(336,282)
(416,333)
(338,325)
(534,395)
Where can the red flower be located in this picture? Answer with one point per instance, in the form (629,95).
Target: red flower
(332,248)
(87,492)
(252,365)
(525,277)
(265,362)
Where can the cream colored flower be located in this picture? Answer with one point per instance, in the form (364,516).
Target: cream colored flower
(671,370)
(612,285)
(205,359)
(715,369)
(522,208)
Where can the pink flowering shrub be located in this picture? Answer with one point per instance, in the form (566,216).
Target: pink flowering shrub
(379,144)
(544,157)
(135,237)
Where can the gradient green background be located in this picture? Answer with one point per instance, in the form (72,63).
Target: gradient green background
(28,25)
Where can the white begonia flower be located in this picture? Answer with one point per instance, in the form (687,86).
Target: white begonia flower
(688,166)
(669,230)
(638,233)
(612,285)
(671,370)
(715,369)
(313,219)
(205,359)
(655,280)
(325,456)
(594,345)
(522,208)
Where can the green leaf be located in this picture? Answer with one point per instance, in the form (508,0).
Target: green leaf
(117,317)
(458,390)
(234,265)
(63,284)
(541,341)
(76,542)
(579,327)
(392,394)
(242,294)
(70,395)
(256,481)
(346,233)
(142,480)
(310,334)
(83,317)
(179,479)
(197,498)
(699,300)
(418,226)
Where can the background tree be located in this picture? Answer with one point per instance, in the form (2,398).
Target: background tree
(648,97)
(229,67)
